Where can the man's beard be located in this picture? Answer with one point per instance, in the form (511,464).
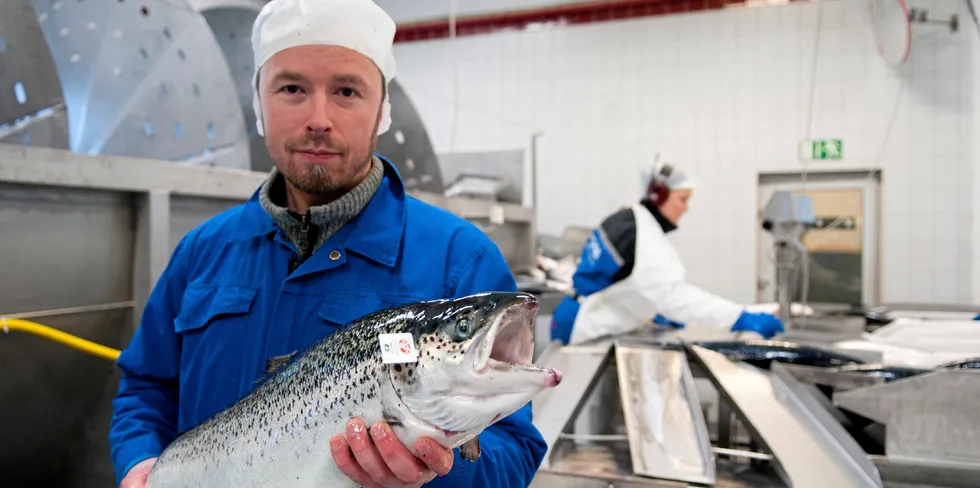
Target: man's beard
(317,179)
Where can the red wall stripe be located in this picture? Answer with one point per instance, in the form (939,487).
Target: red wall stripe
(578,13)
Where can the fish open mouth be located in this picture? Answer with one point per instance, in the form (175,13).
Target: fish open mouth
(509,341)
(508,344)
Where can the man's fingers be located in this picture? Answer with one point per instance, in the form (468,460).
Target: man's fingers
(402,463)
(437,458)
(378,458)
(136,477)
(347,464)
(367,454)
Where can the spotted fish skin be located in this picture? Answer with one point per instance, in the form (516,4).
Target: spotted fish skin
(278,435)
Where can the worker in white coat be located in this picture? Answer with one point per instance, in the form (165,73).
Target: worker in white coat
(630,276)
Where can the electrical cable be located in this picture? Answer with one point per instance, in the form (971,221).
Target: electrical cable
(813,85)
(807,137)
(876,164)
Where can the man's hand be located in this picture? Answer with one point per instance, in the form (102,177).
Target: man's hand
(136,477)
(380,460)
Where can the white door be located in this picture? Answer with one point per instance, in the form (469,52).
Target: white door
(842,247)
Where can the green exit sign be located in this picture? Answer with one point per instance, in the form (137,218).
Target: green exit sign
(822,149)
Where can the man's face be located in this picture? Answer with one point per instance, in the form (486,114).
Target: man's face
(321,108)
(675,205)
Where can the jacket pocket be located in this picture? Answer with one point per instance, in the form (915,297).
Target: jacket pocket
(213,326)
(201,306)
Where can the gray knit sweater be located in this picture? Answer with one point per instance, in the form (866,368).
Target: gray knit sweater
(324,220)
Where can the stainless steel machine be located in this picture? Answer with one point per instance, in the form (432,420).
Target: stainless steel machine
(787,217)
(667,408)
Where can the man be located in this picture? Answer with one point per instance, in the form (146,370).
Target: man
(330,236)
(630,273)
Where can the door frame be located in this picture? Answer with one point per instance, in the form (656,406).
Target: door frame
(867,180)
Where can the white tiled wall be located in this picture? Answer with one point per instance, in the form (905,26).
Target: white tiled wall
(726,94)
(975,137)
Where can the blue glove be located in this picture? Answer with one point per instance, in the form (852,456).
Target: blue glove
(765,324)
(977,317)
(660,319)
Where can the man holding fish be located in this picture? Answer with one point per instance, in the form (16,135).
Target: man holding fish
(330,237)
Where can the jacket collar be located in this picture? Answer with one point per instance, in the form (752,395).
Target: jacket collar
(376,233)
(665,224)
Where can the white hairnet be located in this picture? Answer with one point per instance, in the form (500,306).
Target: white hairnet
(359,25)
(674,177)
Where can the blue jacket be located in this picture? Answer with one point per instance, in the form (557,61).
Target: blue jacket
(226,303)
(607,258)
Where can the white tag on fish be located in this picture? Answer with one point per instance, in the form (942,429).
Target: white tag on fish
(398,348)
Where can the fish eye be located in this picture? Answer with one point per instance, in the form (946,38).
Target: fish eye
(464,328)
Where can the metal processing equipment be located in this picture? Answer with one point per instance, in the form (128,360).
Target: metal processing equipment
(662,409)
(787,216)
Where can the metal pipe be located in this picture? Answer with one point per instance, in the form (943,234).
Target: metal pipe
(594,437)
(534,169)
(102,307)
(739,453)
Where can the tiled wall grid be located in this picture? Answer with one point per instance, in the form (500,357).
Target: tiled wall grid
(726,94)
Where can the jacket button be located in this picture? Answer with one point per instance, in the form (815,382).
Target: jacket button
(334,255)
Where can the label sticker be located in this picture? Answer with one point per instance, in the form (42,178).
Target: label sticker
(398,348)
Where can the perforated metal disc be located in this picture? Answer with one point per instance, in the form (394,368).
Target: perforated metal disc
(32,107)
(144,78)
(407,145)
(231,23)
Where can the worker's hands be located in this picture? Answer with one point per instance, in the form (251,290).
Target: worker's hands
(660,319)
(766,325)
(136,477)
(380,460)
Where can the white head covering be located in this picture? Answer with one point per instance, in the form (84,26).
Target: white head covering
(359,25)
(674,177)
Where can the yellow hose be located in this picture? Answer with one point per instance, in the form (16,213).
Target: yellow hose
(59,336)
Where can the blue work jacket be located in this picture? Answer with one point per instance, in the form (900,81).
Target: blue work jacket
(226,303)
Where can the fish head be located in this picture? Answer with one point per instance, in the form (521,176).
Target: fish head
(474,365)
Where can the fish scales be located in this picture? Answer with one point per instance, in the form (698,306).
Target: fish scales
(249,433)
(278,435)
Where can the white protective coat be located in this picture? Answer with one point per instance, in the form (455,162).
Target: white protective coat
(656,285)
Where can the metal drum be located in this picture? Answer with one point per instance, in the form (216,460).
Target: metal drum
(407,145)
(144,79)
(32,108)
